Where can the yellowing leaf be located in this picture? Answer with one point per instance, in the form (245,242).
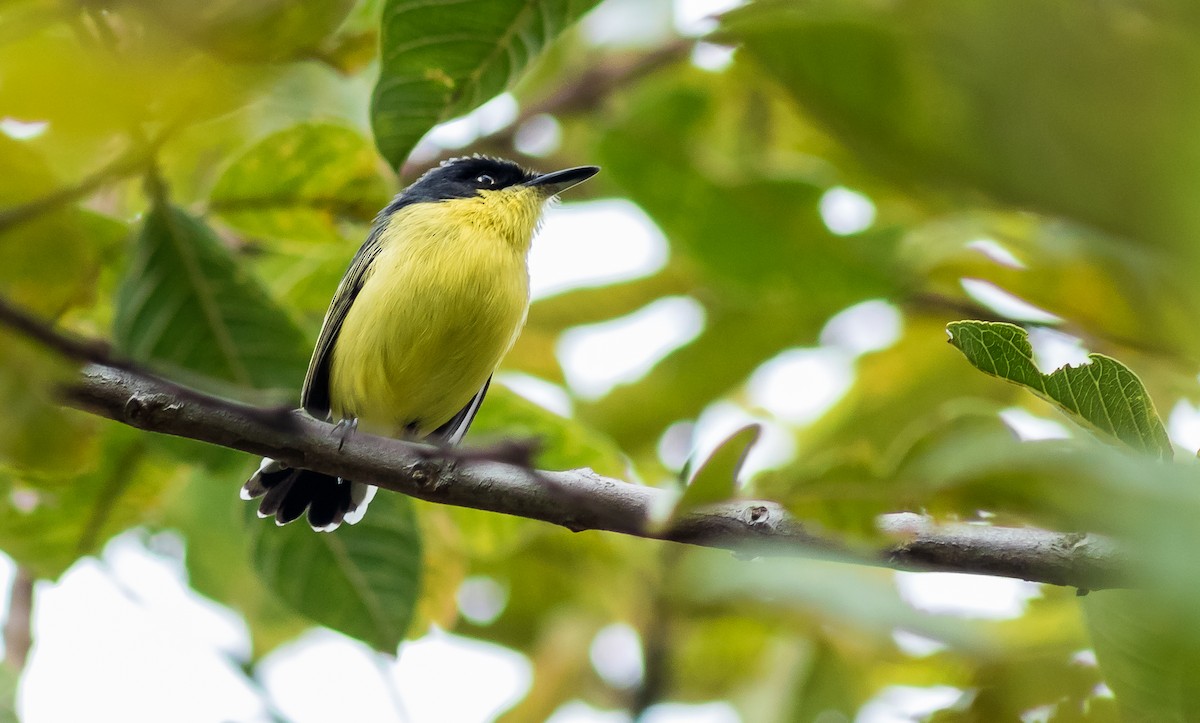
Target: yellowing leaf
(302,183)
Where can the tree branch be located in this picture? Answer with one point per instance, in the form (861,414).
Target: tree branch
(18,630)
(502,479)
(581,499)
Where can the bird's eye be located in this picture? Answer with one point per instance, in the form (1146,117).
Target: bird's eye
(485,180)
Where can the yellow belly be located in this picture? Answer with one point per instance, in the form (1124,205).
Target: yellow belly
(432,321)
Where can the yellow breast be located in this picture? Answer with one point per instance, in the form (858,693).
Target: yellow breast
(441,305)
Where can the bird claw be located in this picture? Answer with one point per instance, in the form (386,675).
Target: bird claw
(343,430)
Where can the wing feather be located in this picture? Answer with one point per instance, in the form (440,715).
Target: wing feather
(456,428)
(314,396)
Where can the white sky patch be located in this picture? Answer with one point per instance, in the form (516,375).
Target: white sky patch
(694,18)
(970,596)
(722,418)
(1183,426)
(499,677)
(8,572)
(1031,428)
(907,703)
(616,655)
(1053,349)
(20,130)
(539,136)
(675,445)
(594,243)
(845,212)
(24,499)
(490,117)
(996,251)
(539,391)
(576,711)
(597,357)
(1005,303)
(716,712)
(481,599)
(712,57)
(130,648)
(917,646)
(865,327)
(800,385)
(324,676)
(628,24)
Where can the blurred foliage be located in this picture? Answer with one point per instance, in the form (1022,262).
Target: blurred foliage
(189,180)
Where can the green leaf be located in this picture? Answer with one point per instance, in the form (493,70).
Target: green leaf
(48,72)
(260,31)
(1147,648)
(831,687)
(48,521)
(302,184)
(440,60)
(361,580)
(716,479)
(1104,395)
(49,262)
(186,305)
(933,92)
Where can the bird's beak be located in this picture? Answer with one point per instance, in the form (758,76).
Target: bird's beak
(552,184)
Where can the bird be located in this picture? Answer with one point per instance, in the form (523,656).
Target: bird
(430,304)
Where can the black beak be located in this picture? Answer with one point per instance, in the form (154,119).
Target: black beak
(556,182)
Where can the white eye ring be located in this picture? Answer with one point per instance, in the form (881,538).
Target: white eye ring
(485,180)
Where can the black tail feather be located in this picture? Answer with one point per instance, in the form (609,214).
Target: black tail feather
(287,492)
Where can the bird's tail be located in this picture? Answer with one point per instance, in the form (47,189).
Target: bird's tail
(287,492)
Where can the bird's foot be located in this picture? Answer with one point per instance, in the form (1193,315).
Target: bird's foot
(343,430)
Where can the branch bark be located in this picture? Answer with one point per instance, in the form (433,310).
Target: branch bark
(581,499)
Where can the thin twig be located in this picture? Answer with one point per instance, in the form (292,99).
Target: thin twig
(71,347)
(127,165)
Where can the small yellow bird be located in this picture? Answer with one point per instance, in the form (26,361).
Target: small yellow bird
(431,303)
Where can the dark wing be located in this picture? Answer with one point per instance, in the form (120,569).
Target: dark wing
(315,395)
(453,431)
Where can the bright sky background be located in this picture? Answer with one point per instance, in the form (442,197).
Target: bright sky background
(123,638)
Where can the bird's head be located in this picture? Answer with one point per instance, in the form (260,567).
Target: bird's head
(471,176)
(492,192)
